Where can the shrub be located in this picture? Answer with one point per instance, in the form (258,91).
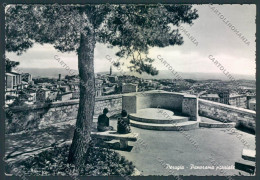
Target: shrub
(99,162)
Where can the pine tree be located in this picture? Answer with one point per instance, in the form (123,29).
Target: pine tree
(132,28)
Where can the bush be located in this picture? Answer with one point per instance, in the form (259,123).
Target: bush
(99,162)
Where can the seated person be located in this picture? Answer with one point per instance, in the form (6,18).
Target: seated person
(103,122)
(123,124)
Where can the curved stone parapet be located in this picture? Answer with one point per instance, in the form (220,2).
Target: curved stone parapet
(180,102)
(184,126)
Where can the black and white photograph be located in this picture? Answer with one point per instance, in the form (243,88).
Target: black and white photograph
(129,90)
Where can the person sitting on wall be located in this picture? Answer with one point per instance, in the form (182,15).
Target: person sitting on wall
(123,124)
(103,122)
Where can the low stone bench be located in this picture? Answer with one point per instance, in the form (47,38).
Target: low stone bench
(111,135)
(247,164)
(217,125)
(249,155)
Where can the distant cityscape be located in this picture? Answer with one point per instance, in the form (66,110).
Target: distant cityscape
(23,90)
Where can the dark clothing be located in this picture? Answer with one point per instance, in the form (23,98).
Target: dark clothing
(123,125)
(103,123)
(103,120)
(104,128)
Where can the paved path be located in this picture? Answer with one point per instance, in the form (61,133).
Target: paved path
(219,147)
(25,144)
(171,147)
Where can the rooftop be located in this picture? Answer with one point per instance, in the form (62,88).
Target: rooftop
(210,95)
(9,74)
(252,101)
(15,73)
(43,89)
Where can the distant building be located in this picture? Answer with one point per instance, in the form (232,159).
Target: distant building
(99,92)
(129,87)
(75,95)
(29,96)
(251,101)
(211,97)
(32,97)
(252,104)
(24,84)
(238,100)
(112,79)
(98,75)
(226,98)
(27,77)
(74,86)
(65,96)
(52,96)
(13,80)
(10,82)
(222,97)
(108,90)
(98,87)
(65,88)
(42,94)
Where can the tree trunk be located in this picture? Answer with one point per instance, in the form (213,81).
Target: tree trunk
(81,138)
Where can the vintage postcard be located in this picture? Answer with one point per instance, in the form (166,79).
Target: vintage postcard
(130,90)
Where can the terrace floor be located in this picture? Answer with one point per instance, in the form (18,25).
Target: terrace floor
(215,146)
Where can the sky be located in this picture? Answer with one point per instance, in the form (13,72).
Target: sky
(212,35)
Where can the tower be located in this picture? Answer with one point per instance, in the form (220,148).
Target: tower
(110,73)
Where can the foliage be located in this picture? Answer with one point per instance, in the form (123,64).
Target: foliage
(18,102)
(44,80)
(10,64)
(99,162)
(131,28)
(190,80)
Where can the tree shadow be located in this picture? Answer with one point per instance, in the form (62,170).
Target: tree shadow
(245,129)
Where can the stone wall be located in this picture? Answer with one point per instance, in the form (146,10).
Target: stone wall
(37,116)
(227,113)
(190,107)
